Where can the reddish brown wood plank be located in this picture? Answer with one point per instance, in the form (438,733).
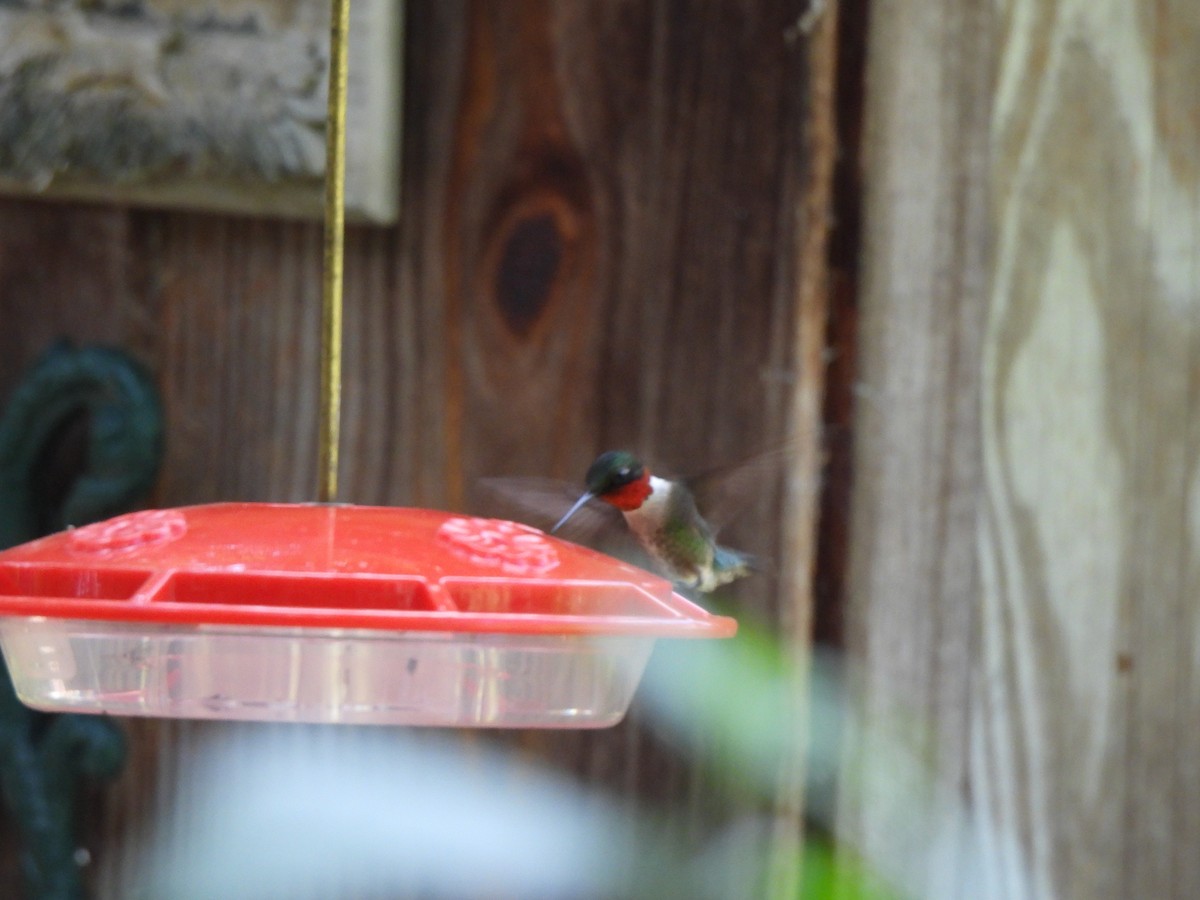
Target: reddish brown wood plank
(605,205)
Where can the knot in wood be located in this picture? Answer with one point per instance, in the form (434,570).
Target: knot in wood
(528,267)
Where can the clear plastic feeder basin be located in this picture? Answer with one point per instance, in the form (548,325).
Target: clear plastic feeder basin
(326,613)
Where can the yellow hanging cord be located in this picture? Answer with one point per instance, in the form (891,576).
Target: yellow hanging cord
(329,422)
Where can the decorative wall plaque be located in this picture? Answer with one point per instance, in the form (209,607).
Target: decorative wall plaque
(218,104)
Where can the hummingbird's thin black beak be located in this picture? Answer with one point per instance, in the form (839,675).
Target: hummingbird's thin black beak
(574,509)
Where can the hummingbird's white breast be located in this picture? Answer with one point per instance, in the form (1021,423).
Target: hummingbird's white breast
(650,516)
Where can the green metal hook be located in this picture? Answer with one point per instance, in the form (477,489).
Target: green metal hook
(44,757)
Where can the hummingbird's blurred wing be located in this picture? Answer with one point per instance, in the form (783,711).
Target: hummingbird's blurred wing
(541,502)
(723,494)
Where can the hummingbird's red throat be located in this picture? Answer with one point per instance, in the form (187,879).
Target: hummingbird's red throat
(630,496)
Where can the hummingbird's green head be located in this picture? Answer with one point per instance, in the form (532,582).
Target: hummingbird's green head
(616,477)
(613,471)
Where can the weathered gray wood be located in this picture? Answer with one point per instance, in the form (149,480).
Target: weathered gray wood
(1090,606)
(912,583)
(1023,593)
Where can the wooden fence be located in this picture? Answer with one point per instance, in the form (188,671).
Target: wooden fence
(1009,485)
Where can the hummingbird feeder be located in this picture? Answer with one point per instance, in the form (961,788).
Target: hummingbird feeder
(331,613)
(326,612)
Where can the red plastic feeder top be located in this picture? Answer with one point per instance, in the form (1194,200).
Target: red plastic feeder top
(332,613)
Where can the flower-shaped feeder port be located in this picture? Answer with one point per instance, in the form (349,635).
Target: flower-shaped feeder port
(326,613)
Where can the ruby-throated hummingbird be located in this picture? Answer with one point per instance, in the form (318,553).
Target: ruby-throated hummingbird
(663,517)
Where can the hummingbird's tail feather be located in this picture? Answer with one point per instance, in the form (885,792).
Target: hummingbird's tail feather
(729,564)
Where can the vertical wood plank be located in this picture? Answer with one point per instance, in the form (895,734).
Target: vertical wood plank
(800,509)
(1022,608)
(59,277)
(911,583)
(1089,380)
(599,136)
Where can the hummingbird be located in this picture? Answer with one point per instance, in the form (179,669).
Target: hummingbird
(661,514)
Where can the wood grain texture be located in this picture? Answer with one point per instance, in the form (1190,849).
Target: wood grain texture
(1089,384)
(912,586)
(609,215)
(1023,613)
